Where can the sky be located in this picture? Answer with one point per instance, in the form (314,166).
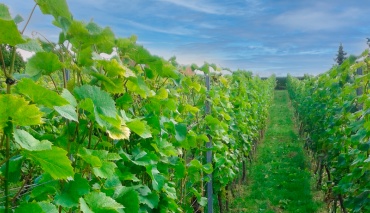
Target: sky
(263,36)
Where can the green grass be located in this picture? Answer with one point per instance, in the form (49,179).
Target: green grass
(279,177)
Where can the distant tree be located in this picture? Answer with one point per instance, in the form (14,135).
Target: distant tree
(341,56)
(6,51)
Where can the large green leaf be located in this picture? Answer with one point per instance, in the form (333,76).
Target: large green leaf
(115,69)
(69,97)
(181,131)
(39,94)
(68,112)
(43,63)
(41,207)
(28,142)
(54,162)
(4,12)
(106,170)
(55,8)
(114,85)
(138,85)
(148,197)
(29,207)
(9,33)
(158,180)
(103,102)
(140,127)
(31,45)
(72,192)
(98,202)
(129,198)
(18,111)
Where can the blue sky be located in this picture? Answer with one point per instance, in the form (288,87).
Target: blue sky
(263,36)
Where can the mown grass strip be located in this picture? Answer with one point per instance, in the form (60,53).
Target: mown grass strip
(279,179)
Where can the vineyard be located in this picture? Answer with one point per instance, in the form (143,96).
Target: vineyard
(83,133)
(334,121)
(92,122)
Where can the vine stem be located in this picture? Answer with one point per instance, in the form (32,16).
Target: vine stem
(29,18)
(26,180)
(6,182)
(3,62)
(55,85)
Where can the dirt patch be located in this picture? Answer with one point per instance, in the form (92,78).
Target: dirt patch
(292,154)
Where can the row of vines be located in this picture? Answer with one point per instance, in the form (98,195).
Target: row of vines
(333,109)
(82,133)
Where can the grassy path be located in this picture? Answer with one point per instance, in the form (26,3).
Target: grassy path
(279,179)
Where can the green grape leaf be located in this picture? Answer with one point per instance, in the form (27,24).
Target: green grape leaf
(207,168)
(181,131)
(29,207)
(18,19)
(124,101)
(4,12)
(84,207)
(158,180)
(69,97)
(149,198)
(114,86)
(53,162)
(15,165)
(137,85)
(114,69)
(72,192)
(67,111)
(162,94)
(103,102)
(9,33)
(106,170)
(49,187)
(54,8)
(43,63)
(85,57)
(129,198)
(99,202)
(87,156)
(140,127)
(39,94)
(202,201)
(32,45)
(41,207)
(48,207)
(28,142)
(140,158)
(18,110)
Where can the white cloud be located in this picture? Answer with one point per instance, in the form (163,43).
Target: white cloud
(174,31)
(199,6)
(316,18)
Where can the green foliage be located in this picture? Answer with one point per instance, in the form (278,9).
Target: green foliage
(19,63)
(17,111)
(43,63)
(9,33)
(58,169)
(125,134)
(333,110)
